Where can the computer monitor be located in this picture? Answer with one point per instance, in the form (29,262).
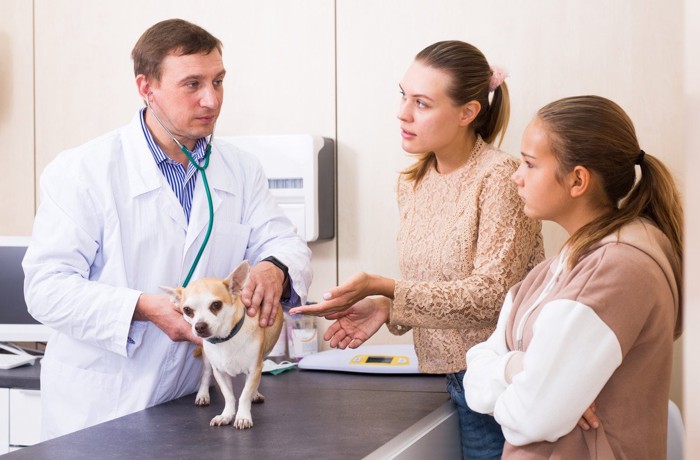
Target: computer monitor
(16,324)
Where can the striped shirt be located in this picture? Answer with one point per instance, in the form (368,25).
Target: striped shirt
(182,182)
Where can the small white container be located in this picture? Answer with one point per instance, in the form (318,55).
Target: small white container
(302,336)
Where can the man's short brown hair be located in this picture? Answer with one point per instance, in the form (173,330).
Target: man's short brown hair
(170,36)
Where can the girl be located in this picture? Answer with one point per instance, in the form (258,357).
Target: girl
(463,237)
(593,328)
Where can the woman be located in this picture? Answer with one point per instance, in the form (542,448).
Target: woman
(463,238)
(594,326)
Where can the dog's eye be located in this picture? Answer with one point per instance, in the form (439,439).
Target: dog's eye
(215,306)
(188,311)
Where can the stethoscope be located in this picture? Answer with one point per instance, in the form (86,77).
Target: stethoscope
(201,169)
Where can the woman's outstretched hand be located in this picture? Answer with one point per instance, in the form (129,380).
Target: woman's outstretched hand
(353,290)
(357,323)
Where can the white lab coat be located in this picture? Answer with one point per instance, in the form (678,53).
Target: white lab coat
(110,227)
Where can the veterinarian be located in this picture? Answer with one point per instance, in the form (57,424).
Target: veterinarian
(128,212)
(463,237)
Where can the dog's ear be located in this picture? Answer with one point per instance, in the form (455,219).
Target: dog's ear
(175,294)
(235,280)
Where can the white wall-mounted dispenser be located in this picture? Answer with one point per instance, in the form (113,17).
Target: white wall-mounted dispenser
(300,170)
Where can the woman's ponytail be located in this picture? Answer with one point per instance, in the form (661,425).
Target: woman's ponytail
(496,116)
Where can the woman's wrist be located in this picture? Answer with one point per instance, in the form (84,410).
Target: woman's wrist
(384,304)
(380,285)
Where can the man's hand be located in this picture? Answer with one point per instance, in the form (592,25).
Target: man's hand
(262,292)
(158,309)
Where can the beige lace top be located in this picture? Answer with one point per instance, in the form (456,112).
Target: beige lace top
(463,242)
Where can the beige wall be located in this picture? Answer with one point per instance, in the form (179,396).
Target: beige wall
(16,118)
(331,68)
(691,338)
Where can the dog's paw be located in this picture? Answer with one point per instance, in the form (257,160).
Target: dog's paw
(258,398)
(220,420)
(202,399)
(241,423)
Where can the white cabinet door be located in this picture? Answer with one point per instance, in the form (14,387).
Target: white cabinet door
(4,420)
(25,417)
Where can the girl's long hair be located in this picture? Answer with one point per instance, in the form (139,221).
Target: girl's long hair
(596,133)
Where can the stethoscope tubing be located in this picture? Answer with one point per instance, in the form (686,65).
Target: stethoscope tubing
(202,169)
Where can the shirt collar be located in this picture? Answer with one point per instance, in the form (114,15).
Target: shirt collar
(158,155)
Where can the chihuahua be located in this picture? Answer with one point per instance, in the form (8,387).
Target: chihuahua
(234,343)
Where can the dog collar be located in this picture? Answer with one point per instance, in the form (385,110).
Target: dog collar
(233,332)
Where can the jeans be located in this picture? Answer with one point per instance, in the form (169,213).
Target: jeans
(481,435)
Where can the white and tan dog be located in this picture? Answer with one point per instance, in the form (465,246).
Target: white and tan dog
(234,343)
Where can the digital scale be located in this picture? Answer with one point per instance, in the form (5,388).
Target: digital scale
(370,359)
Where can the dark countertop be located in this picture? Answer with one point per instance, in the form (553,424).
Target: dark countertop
(306,415)
(25,377)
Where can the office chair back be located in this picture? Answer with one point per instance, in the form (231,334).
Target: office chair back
(676,433)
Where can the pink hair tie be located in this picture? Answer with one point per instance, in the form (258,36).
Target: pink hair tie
(498,74)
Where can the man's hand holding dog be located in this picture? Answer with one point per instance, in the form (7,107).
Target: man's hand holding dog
(158,309)
(262,292)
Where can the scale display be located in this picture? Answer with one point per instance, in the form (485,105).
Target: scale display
(371,359)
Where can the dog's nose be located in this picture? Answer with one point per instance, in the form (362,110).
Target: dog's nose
(202,328)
